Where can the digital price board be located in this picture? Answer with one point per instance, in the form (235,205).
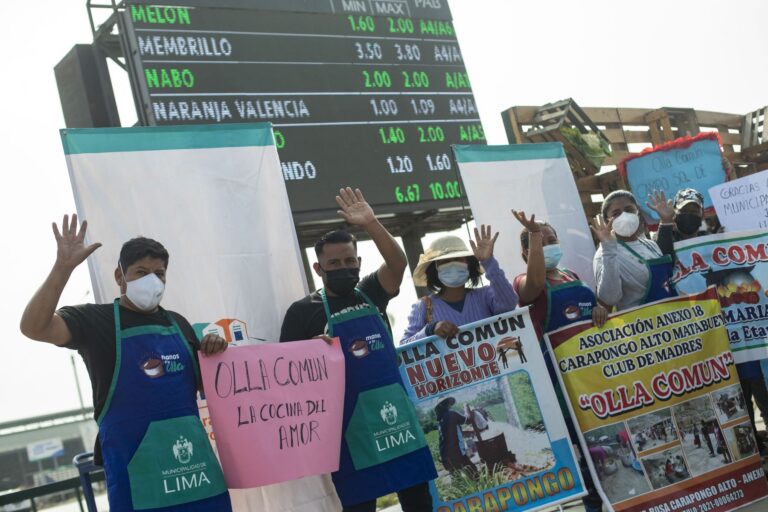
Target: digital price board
(369,93)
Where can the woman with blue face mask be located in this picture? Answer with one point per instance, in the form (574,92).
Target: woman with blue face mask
(557,297)
(452,272)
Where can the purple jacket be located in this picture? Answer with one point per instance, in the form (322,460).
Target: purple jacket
(479,303)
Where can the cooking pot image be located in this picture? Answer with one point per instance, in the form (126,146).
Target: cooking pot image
(735,285)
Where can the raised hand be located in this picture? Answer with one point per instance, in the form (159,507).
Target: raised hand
(71,249)
(354,208)
(529,224)
(603,230)
(658,202)
(483,244)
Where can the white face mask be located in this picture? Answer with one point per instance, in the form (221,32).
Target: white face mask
(146,292)
(626,224)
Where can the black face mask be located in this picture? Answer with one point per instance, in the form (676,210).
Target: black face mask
(342,281)
(687,223)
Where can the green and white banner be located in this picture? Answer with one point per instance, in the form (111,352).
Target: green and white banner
(215,197)
(534,178)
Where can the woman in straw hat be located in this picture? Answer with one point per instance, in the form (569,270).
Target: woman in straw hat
(445,269)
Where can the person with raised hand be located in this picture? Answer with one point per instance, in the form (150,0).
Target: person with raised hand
(680,218)
(142,363)
(354,310)
(630,270)
(557,297)
(452,273)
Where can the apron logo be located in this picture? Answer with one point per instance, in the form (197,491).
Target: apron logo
(359,348)
(389,413)
(182,450)
(572,312)
(153,366)
(184,478)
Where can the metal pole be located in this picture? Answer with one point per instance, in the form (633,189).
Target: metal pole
(413,249)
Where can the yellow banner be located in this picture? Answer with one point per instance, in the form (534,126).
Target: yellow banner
(644,359)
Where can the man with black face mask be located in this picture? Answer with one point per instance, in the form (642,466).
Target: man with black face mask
(680,219)
(354,310)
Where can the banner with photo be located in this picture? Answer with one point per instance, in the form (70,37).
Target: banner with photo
(481,400)
(657,398)
(736,264)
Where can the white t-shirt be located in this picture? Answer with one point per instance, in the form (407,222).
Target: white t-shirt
(622,279)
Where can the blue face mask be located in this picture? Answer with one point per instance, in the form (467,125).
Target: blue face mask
(552,255)
(453,274)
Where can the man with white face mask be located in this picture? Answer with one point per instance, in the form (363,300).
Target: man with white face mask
(630,269)
(142,361)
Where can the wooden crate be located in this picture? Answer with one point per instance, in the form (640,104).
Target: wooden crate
(754,136)
(631,129)
(546,125)
(667,124)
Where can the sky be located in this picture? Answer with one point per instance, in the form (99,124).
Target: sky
(702,54)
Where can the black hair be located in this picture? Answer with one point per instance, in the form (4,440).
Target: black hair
(139,248)
(524,233)
(338,236)
(524,236)
(436,286)
(443,407)
(616,194)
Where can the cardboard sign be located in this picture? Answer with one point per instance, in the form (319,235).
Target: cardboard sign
(688,162)
(276,410)
(742,204)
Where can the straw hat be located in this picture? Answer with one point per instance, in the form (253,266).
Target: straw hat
(444,248)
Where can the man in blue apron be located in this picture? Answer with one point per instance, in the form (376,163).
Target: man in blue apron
(383,447)
(142,361)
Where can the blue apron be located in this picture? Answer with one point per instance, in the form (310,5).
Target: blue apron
(156,453)
(383,449)
(659,275)
(567,302)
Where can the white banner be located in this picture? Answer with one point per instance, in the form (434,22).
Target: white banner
(215,198)
(534,178)
(742,204)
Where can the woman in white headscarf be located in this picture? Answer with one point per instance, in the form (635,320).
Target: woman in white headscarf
(630,270)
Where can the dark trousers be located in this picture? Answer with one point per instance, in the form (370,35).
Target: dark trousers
(412,499)
(755,388)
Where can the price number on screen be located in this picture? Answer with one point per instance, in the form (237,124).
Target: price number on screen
(399,164)
(448,190)
(408,194)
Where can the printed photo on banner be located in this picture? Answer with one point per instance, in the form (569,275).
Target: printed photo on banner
(656,397)
(736,265)
(275,409)
(480,398)
(688,162)
(742,204)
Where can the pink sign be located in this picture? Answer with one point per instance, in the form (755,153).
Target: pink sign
(276,410)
